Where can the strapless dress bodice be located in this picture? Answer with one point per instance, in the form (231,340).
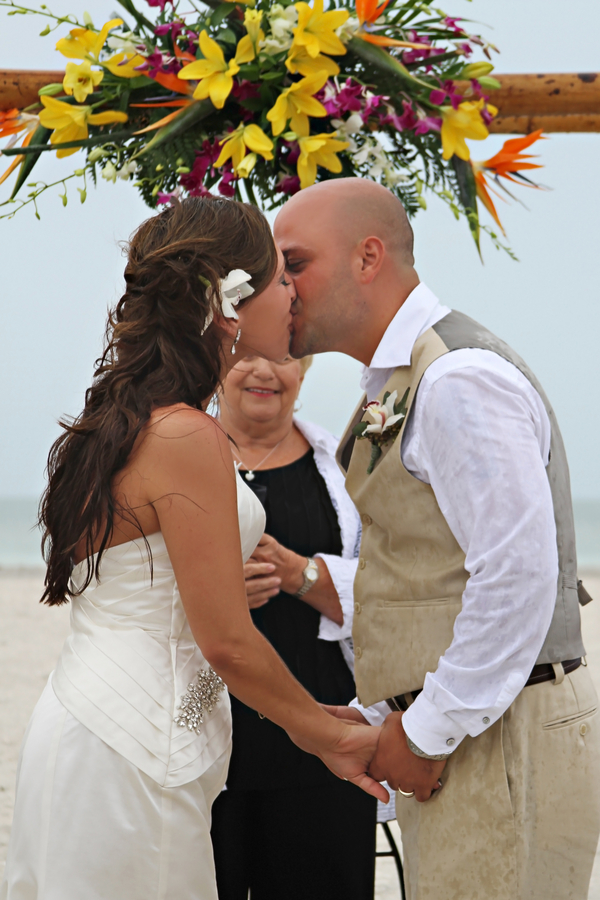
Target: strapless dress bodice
(131,664)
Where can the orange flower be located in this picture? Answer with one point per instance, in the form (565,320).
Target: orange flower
(510,161)
(368,12)
(12,121)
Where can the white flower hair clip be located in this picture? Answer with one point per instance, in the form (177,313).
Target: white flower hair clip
(233,288)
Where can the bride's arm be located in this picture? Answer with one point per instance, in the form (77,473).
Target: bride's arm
(190,481)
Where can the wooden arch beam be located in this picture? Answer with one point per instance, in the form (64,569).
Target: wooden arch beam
(554,102)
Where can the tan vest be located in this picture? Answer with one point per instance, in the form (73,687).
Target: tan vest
(411,573)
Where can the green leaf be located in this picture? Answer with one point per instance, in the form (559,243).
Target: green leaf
(360,429)
(220,13)
(385,397)
(228,36)
(139,18)
(273,76)
(383,61)
(37,148)
(375,454)
(467,192)
(140,81)
(40,136)
(188,116)
(400,405)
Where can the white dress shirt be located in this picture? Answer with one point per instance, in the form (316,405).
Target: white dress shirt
(480,436)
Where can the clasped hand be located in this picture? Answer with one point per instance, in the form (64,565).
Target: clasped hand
(393,761)
(270,569)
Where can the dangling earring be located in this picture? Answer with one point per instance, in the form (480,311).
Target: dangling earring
(298,406)
(237,337)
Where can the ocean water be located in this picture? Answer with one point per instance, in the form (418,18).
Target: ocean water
(20,539)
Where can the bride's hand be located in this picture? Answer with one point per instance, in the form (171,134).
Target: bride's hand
(349,758)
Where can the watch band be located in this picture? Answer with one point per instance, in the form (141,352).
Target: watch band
(418,752)
(311,576)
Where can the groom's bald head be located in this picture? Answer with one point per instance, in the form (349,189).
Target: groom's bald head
(346,242)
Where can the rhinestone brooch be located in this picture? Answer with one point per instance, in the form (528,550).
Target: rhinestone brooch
(202,696)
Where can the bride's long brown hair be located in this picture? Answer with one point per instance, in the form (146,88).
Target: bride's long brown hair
(155,355)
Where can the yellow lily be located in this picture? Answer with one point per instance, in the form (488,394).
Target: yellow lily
(248,46)
(461,123)
(316,29)
(318,150)
(83,43)
(297,103)
(124,66)
(81,80)
(235,145)
(300,60)
(214,73)
(70,123)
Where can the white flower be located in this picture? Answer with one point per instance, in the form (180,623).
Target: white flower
(382,414)
(380,165)
(110,172)
(128,169)
(127,42)
(233,288)
(282,20)
(347,31)
(352,125)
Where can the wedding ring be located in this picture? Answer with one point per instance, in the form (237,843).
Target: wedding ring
(404,794)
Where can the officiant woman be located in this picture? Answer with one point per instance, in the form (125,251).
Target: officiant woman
(285,826)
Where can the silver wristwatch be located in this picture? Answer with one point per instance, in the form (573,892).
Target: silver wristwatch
(311,576)
(418,752)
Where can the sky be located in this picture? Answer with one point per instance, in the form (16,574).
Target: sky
(59,275)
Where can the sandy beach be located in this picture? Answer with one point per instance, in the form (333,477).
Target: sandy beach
(30,640)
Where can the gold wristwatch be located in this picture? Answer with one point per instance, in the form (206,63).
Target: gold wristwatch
(310,575)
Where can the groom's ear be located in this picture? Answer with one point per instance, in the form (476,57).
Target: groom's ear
(371,252)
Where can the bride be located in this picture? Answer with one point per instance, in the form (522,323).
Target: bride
(147,527)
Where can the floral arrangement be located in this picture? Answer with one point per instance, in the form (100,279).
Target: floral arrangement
(383,423)
(258,99)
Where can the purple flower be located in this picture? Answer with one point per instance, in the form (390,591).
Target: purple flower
(172,28)
(193,181)
(428,123)
(226,185)
(466,49)
(450,22)
(437,96)
(348,99)
(372,104)
(245,90)
(163,197)
(160,3)
(486,115)
(289,184)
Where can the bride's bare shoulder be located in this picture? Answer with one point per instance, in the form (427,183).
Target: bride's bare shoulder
(179,431)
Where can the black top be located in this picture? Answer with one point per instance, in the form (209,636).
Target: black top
(300,515)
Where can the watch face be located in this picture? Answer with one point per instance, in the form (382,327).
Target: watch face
(311,575)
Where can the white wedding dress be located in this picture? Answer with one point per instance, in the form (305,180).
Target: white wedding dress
(113,791)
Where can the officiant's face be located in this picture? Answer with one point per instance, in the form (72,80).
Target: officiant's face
(257,390)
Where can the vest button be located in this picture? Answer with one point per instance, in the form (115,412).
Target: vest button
(367,520)
(450,742)
(357,652)
(362,562)
(583,729)
(357,608)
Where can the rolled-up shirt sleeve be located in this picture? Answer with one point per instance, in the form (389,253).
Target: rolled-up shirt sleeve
(343,572)
(480,439)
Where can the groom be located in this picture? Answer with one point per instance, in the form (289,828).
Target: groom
(467,629)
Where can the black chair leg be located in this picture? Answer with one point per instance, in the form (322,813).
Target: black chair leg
(393,851)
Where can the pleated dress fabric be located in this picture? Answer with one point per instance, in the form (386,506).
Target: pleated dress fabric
(113,796)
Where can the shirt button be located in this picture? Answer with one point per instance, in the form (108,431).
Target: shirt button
(583,729)
(357,652)
(362,562)
(450,742)
(486,720)
(367,520)
(357,608)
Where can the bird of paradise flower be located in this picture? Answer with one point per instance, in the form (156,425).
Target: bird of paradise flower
(508,163)
(12,123)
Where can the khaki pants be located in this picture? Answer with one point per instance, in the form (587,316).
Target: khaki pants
(518,817)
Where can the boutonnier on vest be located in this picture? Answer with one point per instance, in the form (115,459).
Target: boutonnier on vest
(386,420)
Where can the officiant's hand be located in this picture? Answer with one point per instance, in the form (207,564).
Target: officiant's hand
(400,767)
